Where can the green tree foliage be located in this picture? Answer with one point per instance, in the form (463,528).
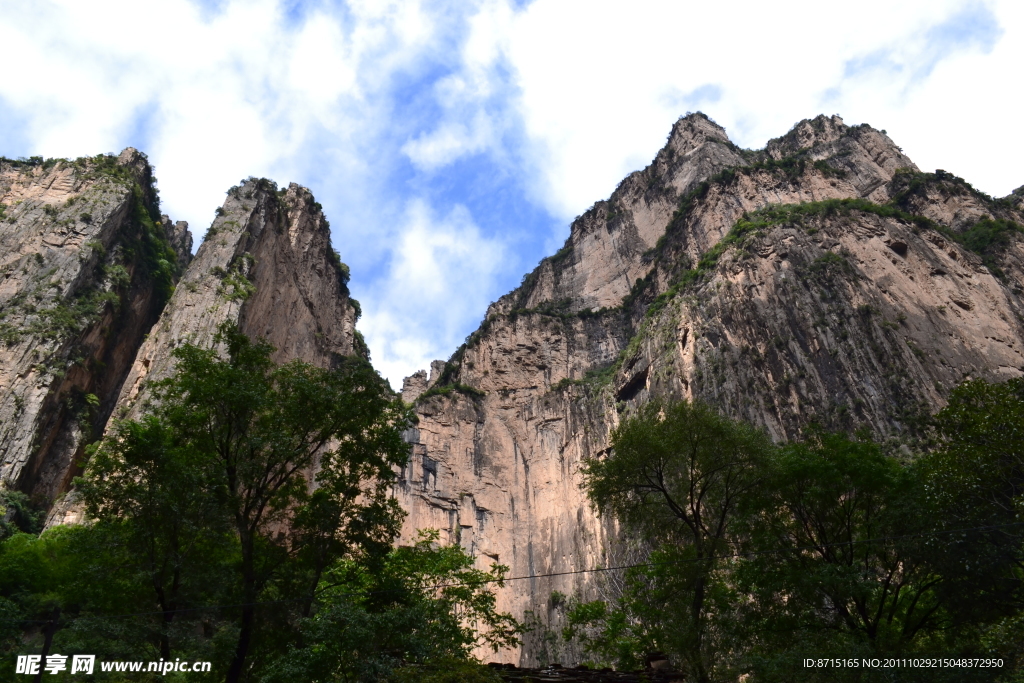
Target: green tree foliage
(677,473)
(762,555)
(835,558)
(419,609)
(976,481)
(152,493)
(18,514)
(247,520)
(228,452)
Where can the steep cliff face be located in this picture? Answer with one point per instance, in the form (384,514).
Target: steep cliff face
(608,246)
(602,257)
(86,263)
(267,265)
(821,279)
(91,306)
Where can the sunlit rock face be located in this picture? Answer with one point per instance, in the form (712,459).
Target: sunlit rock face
(267,265)
(842,316)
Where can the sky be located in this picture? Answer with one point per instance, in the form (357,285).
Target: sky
(452,143)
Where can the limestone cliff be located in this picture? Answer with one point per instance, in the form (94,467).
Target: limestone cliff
(86,263)
(267,265)
(98,288)
(821,279)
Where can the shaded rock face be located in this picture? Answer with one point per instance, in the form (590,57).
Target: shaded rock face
(846,314)
(81,282)
(180,239)
(850,321)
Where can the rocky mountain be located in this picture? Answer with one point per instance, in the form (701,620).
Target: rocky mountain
(822,279)
(267,265)
(99,289)
(87,263)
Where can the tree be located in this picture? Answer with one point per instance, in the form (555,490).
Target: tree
(60,586)
(292,463)
(154,493)
(18,514)
(676,474)
(836,557)
(975,479)
(417,609)
(764,555)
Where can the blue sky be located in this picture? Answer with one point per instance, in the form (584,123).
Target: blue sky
(452,143)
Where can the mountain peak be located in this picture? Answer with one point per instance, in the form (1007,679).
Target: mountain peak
(692,131)
(807,133)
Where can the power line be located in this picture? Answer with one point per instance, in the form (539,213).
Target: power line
(737,555)
(555,574)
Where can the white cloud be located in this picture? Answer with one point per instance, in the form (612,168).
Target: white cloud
(442,273)
(600,86)
(451,141)
(962,117)
(229,95)
(469,97)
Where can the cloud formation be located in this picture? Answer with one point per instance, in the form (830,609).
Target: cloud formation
(432,283)
(599,84)
(452,142)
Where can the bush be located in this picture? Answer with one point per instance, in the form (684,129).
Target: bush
(989,238)
(18,515)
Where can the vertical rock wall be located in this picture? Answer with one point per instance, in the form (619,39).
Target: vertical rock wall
(86,263)
(92,307)
(267,265)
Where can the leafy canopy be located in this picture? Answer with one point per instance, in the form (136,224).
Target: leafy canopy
(754,556)
(677,473)
(247,520)
(292,463)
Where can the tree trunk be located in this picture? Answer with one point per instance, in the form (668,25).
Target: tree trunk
(242,650)
(51,628)
(697,615)
(248,609)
